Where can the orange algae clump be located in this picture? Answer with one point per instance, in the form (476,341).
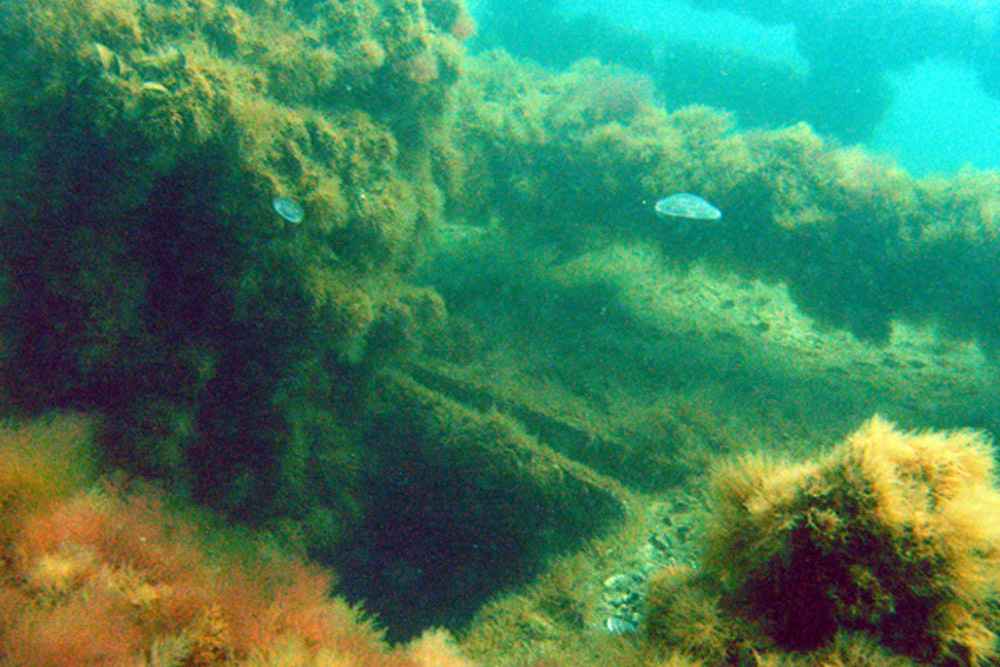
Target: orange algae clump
(894,534)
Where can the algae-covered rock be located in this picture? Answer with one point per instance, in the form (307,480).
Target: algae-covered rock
(114,572)
(892,534)
(578,158)
(144,270)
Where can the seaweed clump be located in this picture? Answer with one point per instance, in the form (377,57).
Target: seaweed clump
(113,575)
(892,536)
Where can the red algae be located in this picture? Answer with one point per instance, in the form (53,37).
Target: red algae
(113,574)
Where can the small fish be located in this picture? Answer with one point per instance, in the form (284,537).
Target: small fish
(688,206)
(289,209)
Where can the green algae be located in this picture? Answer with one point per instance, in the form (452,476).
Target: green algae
(836,286)
(145,276)
(851,234)
(242,361)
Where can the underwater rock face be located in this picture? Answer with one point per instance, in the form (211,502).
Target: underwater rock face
(688,206)
(154,136)
(469,504)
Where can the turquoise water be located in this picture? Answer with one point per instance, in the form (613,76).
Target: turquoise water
(941,119)
(908,79)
